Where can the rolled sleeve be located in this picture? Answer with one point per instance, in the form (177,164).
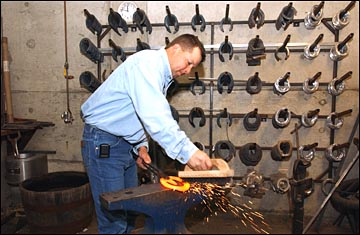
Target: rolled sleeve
(136,147)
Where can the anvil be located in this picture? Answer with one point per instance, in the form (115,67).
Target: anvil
(165,208)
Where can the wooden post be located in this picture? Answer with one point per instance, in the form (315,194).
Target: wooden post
(6,74)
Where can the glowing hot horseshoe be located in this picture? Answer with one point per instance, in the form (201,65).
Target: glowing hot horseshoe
(175,183)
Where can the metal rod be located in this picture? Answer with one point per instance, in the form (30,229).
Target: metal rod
(343,78)
(346,40)
(256,41)
(65,33)
(112,43)
(283,79)
(168,12)
(288,8)
(87,13)
(312,113)
(313,79)
(297,127)
(297,142)
(227,11)
(318,39)
(333,100)
(257,9)
(341,146)
(287,39)
(328,25)
(343,113)
(310,146)
(197,12)
(211,91)
(242,47)
(68,119)
(318,8)
(347,9)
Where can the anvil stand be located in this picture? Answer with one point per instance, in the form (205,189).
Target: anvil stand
(165,209)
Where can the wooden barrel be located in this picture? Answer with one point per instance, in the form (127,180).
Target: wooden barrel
(58,202)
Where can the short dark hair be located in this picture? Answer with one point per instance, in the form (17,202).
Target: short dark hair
(189,42)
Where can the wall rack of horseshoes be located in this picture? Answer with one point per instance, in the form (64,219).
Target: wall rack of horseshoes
(256,51)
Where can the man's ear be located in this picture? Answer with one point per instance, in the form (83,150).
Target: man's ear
(176,47)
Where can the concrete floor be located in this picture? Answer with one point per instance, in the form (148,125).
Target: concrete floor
(227,224)
(223,223)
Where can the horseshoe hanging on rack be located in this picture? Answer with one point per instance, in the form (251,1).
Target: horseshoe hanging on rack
(198,19)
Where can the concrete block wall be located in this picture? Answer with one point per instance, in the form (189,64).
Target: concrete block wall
(35,32)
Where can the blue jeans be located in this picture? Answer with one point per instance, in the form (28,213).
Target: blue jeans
(114,173)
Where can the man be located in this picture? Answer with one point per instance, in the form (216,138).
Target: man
(128,105)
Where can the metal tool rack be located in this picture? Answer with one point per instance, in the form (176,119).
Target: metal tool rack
(213,49)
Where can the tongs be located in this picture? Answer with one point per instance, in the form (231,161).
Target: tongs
(153,169)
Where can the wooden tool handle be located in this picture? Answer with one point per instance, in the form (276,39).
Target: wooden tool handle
(6,72)
(220,169)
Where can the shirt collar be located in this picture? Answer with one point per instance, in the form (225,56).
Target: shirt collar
(167,69)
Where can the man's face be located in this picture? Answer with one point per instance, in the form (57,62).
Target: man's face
(182,61)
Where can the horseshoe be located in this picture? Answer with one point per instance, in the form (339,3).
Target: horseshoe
(175,183)
(198,19)
(117,51)
(140,19)
(171,20)
(225,145)
(197,82)
(115,21)
(283,49)
(257,17)
(224,114)
(226,20)
(197,112)
(226,47)
(225,78)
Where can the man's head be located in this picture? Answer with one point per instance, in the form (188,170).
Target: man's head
(184,52)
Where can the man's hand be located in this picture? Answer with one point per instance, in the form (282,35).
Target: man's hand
(199,161)
(143,155)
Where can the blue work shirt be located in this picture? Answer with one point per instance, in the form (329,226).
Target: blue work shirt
(132,98)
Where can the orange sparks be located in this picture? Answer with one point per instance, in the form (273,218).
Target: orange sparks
(214,197)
